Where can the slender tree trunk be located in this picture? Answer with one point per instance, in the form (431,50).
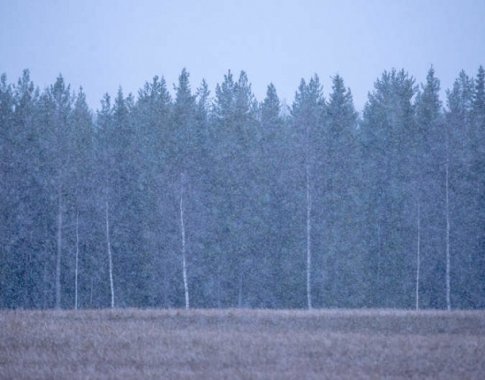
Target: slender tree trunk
(448,264)
(110,258)
(182,232)
(59,252)
(418,256)
(76,271)
(308,236)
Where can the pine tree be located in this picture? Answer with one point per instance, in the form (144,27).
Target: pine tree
(9,202)
(478,180)
(234,132)
(386,132)
(340,189)
(152,113)
(273,218)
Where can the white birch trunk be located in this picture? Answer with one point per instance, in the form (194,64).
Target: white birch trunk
(76,270)
(418,256)
(59,252)
(182,232)
(110,259)
(308,236)
(448,263)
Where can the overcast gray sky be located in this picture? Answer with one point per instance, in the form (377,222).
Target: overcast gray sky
(104,44)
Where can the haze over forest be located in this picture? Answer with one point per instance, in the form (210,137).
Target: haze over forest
(195,199)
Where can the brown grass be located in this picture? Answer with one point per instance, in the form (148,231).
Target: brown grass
(241,344)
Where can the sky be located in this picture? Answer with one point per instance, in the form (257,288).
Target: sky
(102,45)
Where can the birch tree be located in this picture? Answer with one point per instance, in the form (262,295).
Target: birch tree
(418,253)
(447,215)
(182,238)
(183,161)
(76,267)
(307,115)
(110,256)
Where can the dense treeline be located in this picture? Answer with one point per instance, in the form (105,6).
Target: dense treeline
(201,201)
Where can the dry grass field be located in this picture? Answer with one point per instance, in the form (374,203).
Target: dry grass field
(241,344)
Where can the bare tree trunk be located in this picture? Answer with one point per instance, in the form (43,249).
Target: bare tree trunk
(308,236)
(59,252)
(448,264)
(418,256)
(110,259)
(182,232)
(76,271)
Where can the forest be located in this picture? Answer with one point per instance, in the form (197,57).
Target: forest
(187,199)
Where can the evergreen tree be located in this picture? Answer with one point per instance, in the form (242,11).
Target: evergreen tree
(152,114)
(386,132)
(340,169)
(478,180)
(274,266)
(458,126)
(8,202)
(234,132)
